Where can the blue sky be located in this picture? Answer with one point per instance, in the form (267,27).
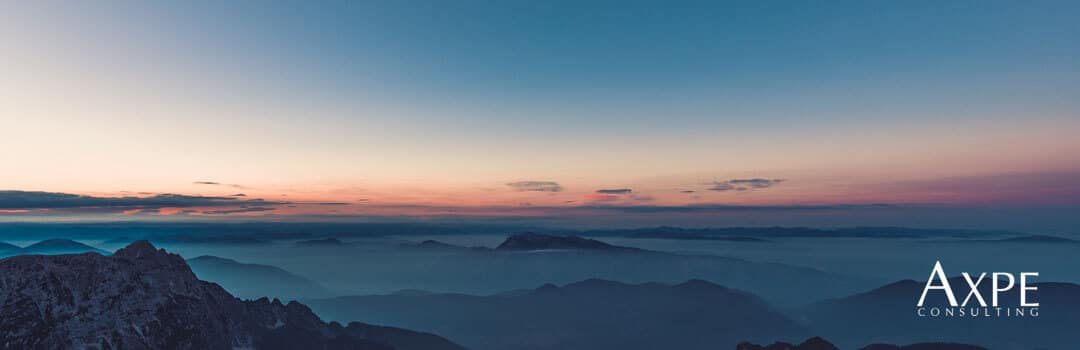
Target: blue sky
(444,103)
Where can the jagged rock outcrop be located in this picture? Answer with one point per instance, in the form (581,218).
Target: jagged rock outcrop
(145,298)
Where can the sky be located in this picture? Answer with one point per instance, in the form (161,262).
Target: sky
(536,108)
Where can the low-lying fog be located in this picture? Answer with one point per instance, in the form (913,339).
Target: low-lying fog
(388,264)
(387,279)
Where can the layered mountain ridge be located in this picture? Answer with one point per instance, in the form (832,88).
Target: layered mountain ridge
(249,281)
(49,247)
(591,314)
(145,298)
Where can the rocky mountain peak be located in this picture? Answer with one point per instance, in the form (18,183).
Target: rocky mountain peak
(159,265)
(139,250)
(142,297)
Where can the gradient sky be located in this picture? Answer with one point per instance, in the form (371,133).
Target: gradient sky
(383,107)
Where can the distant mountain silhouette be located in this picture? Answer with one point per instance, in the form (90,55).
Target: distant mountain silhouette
(924,346)
(536,241)
(435,245)
(1027,239)
(693,236)
(888,315)
(775,231)
(324,242)
(431,243)
(255,280)
(1036,239)
(309,230)
(60,246)
(592,314)
(207,239)
(412,292)
(125,240)
(531,259)
(399,338)
(7,247)
(263,230)
(194,239)
(817,343)
(145,298)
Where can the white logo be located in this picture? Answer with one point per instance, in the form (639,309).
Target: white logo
(999,282)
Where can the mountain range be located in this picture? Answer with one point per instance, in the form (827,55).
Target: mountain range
(804,232)
(144,298)
(255,280)
(565,259)
(878,314)
(592,314)
(535,241)
(49,247)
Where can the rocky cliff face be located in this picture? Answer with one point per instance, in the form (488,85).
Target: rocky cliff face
(145,298)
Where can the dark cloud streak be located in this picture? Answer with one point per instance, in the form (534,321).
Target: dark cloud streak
(707,208)
(535,186)
(54,200)
(238,211)
(756,182)
(215,183)
(743,184)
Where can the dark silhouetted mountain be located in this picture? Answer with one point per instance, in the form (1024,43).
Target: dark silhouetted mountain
(325,242)
(924,346)
(309,230)
(254,280)
(549,259)
(766,232)
(593,314)
(261,230)
(60,246)
(434,245)
(536,241)
(192,239)
(1036,239)
(431,243)
(412,292)
(7,247)
(400,339)
(145,298)
(691,236)
(817,343)
(779,283)
(888,315)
